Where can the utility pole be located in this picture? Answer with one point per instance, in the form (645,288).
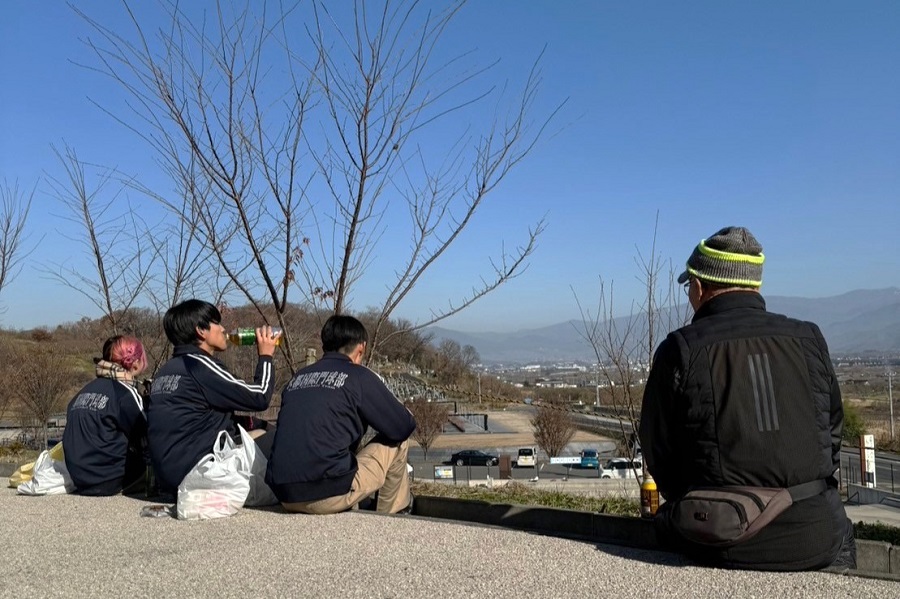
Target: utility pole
(479,388)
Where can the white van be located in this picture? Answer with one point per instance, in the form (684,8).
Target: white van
(527,457)
(622,468)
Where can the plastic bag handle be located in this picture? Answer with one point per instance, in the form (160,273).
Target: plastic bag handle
(225,445)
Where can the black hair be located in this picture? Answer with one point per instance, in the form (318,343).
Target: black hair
(343,334)
(107,347)
(182,321)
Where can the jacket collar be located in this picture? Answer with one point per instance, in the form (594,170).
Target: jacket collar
(733,300)
(182,350)
(335,355)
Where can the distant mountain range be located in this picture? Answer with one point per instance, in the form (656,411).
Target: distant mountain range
(857,322)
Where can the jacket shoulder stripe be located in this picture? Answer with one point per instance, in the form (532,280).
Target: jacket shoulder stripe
(135,396)
(227,376)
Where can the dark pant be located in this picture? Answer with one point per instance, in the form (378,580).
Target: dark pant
(846,557)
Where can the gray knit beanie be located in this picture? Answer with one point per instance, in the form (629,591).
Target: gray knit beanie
(732,256)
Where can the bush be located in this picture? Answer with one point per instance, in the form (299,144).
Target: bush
(854,427)
(15,451)
(877,532)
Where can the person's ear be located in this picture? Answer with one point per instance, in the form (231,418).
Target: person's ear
(201,333)
(360,352)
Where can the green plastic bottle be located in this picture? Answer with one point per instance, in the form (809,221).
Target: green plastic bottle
(248,336)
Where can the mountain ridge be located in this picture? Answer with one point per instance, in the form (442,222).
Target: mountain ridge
(855,322)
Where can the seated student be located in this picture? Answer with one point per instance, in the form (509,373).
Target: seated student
(316,466)
(193,396)
(105,426)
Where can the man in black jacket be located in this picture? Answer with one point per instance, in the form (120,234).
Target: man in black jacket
(317,465)
(744,397)
(193,396)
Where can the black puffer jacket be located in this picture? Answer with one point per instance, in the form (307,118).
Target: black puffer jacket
(742,396)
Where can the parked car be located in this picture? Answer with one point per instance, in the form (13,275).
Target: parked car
(621,468)
(473,457)
(527,457)
(590,459)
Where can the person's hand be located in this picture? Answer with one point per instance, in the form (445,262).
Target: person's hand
(265,341)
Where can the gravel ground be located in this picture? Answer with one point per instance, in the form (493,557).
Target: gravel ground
(69,546)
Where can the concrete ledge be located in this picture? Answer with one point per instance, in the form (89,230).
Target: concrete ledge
(6,471)
(895,560)
(874,556)
(875,559)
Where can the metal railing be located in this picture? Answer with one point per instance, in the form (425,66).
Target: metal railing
(887,474)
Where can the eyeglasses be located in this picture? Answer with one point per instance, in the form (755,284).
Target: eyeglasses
(687,288)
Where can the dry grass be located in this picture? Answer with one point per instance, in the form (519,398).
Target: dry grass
(875,414)
(517,493)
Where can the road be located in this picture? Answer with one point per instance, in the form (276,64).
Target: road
(887,471)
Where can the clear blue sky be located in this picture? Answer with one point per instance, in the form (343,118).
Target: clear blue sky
(780,116)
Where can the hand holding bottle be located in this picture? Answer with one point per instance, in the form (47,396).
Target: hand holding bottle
(266,340)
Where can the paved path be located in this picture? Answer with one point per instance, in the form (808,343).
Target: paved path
(874,513)
(69,546)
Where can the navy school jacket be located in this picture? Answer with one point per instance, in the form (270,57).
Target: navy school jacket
(193,397)
(103,420)
(325,410)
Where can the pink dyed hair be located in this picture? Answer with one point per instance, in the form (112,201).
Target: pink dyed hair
(125,351)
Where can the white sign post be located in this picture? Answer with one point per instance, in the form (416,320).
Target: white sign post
(867,459)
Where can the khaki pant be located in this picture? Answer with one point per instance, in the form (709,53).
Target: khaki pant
(380,468)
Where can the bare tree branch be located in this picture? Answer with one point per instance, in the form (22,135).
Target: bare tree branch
(15,204)
(288,159)
(112,239)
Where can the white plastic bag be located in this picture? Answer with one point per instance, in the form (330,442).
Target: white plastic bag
(50,477)
(260,493)
(218,485)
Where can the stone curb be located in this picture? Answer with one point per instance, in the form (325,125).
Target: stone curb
(874,559)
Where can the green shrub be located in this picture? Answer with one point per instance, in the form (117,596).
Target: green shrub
(877,532)
(854,427)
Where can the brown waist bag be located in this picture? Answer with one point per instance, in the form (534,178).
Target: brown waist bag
(726,516)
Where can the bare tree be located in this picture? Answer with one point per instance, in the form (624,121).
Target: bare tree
(624,346)
(292,176)
(45,380)
(430,418)
(113,240)
(15,205)
(553,426)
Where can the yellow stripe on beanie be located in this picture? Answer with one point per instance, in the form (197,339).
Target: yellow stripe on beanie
(731,257)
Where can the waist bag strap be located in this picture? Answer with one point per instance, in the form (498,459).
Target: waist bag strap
(807,490)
